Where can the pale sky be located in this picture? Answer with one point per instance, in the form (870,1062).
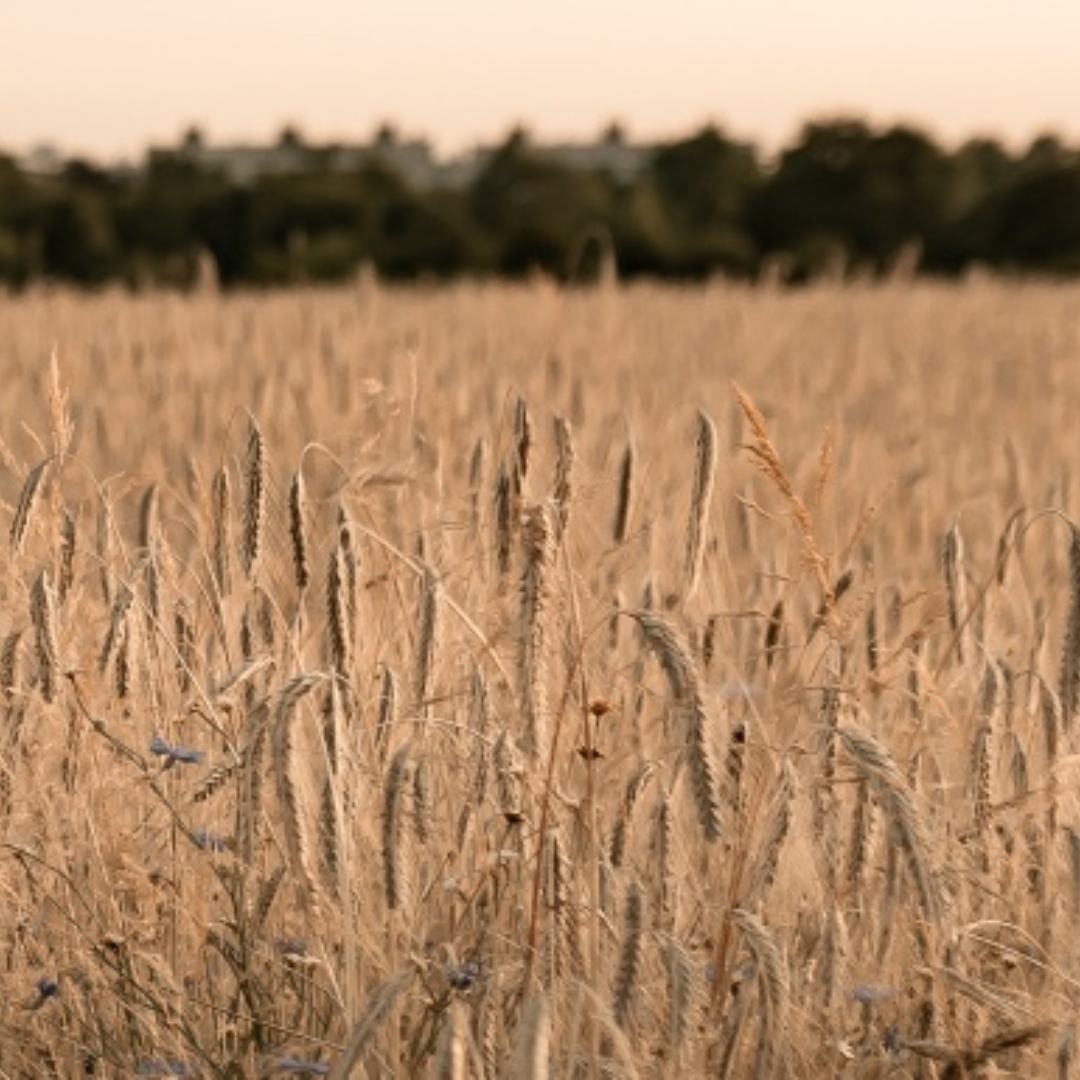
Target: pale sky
(106,77)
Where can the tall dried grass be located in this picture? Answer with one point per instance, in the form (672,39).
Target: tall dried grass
(332,745)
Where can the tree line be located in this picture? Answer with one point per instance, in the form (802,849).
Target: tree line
(843,193)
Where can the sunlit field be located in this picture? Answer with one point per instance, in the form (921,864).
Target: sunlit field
(511,682)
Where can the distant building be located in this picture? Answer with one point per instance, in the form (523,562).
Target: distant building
(42,160)
(243,164)
(625,162)
(411,159)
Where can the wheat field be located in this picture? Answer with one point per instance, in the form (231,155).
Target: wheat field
(503,681)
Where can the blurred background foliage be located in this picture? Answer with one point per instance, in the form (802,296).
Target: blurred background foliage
(843,197)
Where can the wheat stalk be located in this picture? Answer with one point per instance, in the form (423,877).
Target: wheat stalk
(532,1040)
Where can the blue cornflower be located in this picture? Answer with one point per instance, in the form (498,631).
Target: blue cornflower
(206,840)
(173,753)
(463,976)
(301,1067)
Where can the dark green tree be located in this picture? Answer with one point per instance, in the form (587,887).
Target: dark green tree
(704,185)
(844,187)
(534,211)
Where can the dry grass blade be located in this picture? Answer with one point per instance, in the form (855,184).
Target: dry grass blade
(451,1059)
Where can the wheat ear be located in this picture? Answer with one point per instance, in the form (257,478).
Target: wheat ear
(29,500)
(397,790)
(430,592)
(952,564)
(625,500)
(1069,679)
(338,621)
(290,786)
(221,530)
(298,530)
(678,665)
(522,437)
(772,979)
(626,975)
(539,554)
(563,491)
(254,510)
(65,563)
(894,797)
(700,502)
(43,618)
(777,823)
(149,517)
